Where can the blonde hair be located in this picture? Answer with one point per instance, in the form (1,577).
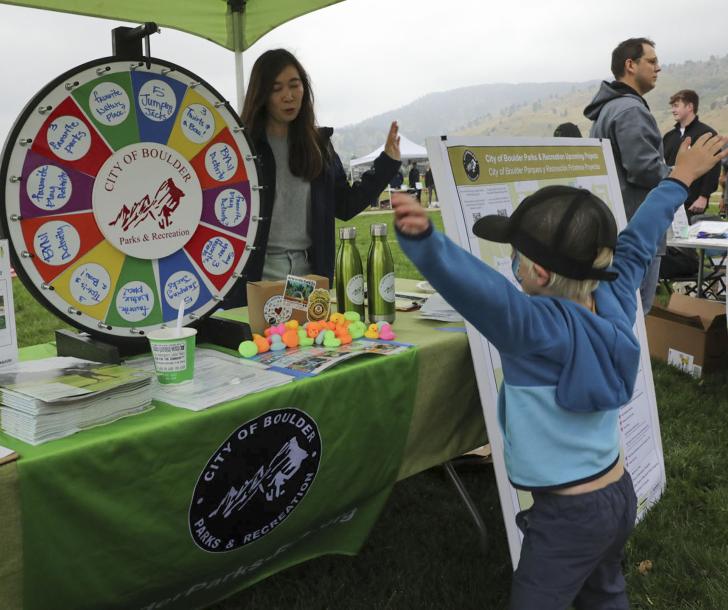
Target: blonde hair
(576,290)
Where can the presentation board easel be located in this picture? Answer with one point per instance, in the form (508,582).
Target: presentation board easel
(477,176)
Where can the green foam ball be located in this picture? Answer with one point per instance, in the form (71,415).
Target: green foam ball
(248,349)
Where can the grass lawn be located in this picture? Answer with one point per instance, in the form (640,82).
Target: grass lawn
(423,553)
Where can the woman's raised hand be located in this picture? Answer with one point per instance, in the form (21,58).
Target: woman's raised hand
(391,145)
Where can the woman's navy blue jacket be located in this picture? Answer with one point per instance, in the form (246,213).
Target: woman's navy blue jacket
(331,197)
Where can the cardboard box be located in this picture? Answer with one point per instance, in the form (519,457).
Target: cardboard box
(689,333)
(267,306)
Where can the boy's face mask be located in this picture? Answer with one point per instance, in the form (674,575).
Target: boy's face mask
(516,266)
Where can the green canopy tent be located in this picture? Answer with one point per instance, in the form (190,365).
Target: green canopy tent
(233,24)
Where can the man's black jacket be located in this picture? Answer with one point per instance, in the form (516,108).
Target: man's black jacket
(704,186)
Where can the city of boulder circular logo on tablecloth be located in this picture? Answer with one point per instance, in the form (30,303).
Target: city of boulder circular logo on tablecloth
(254,480)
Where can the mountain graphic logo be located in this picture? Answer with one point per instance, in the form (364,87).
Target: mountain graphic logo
(159,208)
(268,480)
(254,480)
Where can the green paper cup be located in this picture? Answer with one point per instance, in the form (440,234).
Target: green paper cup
(174,354)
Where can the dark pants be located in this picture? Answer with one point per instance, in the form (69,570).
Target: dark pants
(648,288)
(573,549)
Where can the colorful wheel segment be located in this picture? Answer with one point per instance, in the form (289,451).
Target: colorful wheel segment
(129,189)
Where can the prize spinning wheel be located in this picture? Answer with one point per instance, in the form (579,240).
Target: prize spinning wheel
(128,187)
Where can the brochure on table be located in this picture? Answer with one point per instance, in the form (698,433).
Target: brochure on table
(7,455)
(477,176)
(218,378)
(310,361)
(42,400)
(8,333)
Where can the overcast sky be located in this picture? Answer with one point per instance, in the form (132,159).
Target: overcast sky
(369,56)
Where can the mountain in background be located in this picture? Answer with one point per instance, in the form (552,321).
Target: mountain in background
(533,109)
(443,112)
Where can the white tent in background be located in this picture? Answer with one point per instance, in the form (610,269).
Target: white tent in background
(407,148)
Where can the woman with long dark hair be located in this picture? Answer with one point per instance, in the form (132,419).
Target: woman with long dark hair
(306,186)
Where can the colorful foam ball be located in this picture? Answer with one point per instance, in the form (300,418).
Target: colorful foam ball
(248,349)
(331,341)
(352,316)
(357,330)
(290,338)
(262,343)
(386,333)
(372,332)
(277,346)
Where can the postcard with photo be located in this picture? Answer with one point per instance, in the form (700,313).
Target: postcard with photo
(297,291)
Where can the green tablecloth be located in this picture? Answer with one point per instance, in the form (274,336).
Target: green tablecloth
(104,518)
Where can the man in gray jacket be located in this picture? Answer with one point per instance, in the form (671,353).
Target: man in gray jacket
(621,114)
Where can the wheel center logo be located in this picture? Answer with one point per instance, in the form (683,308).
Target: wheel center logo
(254,480)
(147,200)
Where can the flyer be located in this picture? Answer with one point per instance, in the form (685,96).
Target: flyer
(309,361)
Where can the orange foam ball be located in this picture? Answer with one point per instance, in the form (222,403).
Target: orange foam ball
(262,343)
(290,338)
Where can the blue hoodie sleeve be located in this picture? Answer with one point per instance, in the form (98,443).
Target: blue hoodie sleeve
(509,319)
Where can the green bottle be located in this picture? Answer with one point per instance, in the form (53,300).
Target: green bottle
(349,274)
(380,276)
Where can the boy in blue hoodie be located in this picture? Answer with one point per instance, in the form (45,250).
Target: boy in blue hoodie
(570,361)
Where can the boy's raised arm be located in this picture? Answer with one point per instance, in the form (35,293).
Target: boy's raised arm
(500,312)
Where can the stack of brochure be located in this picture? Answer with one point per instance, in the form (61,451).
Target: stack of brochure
(42,400)
(437,308)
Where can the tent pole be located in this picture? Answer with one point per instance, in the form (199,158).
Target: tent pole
(237,11)
(239,81)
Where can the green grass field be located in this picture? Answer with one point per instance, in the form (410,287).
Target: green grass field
(424,554)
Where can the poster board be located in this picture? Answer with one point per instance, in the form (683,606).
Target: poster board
(477,176)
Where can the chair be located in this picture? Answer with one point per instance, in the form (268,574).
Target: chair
(700,271)
(713,282)
(679,266)
(703,279)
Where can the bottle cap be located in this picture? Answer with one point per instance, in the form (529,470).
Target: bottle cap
(378,229)
(347,233)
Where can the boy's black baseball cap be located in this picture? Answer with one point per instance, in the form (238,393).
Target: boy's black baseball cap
(559,227)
